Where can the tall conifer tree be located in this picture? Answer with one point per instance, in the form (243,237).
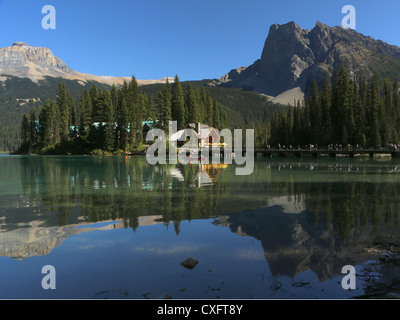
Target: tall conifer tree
(178,104)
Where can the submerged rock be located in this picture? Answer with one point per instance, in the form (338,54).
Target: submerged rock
(189,263)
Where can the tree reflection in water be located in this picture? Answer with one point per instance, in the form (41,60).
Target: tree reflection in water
(303,213)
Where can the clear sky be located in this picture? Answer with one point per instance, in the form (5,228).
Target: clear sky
(195,39)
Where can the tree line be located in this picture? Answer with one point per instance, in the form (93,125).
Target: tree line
(15,94)
(344,111)
(111,120)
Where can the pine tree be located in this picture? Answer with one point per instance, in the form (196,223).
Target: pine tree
(114,97)
(122,124)
(209,111)
(64,111)
(108,134)
(192,106)
(108,118)
(94,97)
(315,114)
(44,128)
(202,105)
(349,114)
(385,115)
(325,103)
(359,116)
(164,107)
(341,110)
(396,111)
(33,134)
(216,116)
(54,118)
(223,119)
(305,124)
(85,111)
(151,112)
(374,105)
(178,104)
(296,125)
(25,135)
(289,127)
(140,116)
(363,93)
(132,101)
(72,110)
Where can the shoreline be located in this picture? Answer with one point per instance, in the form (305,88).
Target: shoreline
(383,274)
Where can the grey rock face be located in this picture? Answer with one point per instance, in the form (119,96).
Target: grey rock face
(286,55)
(25,61)
(20,44)
(293,56)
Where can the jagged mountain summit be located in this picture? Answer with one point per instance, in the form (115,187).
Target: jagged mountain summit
(25,61)
(292,57)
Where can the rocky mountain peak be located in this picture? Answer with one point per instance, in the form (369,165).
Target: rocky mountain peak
(25,61)
(287,46)
(320,25)
(20,44)
(293,56)
(288,27)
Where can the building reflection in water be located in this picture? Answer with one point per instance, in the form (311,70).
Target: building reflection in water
(54,200)
(307,216)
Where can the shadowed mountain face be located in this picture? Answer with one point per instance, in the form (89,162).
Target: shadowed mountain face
(292,57)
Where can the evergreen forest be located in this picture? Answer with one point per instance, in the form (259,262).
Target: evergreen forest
(343,111)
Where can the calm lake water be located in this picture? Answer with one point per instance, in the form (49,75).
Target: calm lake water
(115,227)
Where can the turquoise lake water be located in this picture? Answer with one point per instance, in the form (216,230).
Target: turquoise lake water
(119,228)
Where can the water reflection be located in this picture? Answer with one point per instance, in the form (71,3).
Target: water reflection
(43,199)
(62,191)
(294,243)
(315,216)
(38,240)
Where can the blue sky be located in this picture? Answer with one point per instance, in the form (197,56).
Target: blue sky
(194,39)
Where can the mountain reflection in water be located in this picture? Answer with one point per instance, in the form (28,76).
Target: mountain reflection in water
(315,216)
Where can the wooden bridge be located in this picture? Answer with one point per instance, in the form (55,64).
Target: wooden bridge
(327,152)
(313,152)
(334,152)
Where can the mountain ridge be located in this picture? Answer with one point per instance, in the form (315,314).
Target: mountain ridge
(25,61)
(292,56)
